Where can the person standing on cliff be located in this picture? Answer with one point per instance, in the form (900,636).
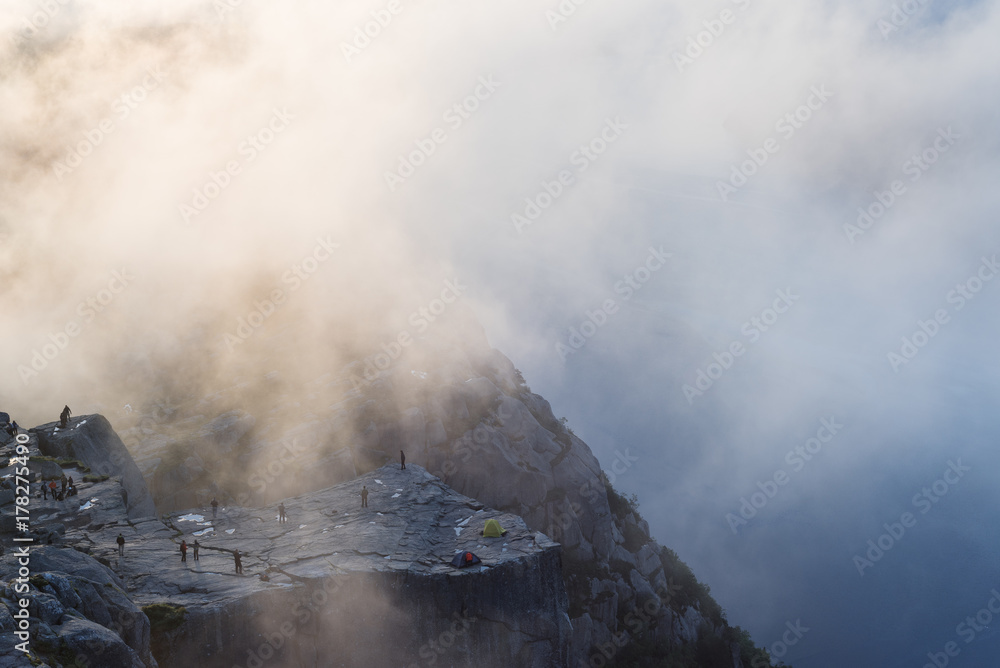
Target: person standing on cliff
(62,479)
(184,550)
(64,417)
(45,490)
(196,546)
(364,496)
(121,545)
(281,513)
(239,562)
(402,460)
(215,507)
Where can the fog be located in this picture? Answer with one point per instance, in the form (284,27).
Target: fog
(550,161)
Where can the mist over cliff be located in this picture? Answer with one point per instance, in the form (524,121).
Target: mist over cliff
(702,232)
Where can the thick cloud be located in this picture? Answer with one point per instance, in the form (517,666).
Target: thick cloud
(214,153)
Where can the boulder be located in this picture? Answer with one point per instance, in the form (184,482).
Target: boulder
(91,440)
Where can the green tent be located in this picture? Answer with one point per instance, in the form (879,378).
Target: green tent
(493,529)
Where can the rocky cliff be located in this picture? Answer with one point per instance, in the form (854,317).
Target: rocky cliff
(334,585)
(71,609)
(460,409)
(578,581)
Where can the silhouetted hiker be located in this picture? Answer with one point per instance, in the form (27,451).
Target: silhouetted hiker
(184,550)
(12,428)
(62,479)
(402,460)
(281,512)
(215,507)
(364,496)
(196,546)
(45,491)
(64,417)
(69,482)
(121,545)
(239,562)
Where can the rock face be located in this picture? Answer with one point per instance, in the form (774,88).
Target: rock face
(93,442)
(352,586)
(78,611)
(460,409)
(577,581)
(334,585)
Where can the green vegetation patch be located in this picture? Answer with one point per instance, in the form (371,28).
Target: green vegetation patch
(164,617)
(620,505)
(635,538)
(64,462)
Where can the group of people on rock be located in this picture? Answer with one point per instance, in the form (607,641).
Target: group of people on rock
(195,547)
(11,428)
(67,489)
(237,557)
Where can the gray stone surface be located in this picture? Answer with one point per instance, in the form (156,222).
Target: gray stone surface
(389,564)
(459,410)
(336,583)
(79,614)
(91,440)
